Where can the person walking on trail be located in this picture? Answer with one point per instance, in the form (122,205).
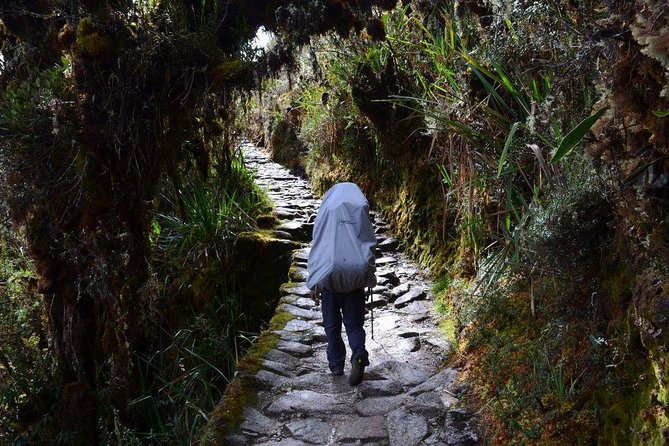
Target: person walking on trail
(341,264)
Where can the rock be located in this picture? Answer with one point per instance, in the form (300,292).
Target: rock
(236,440)
(285,214)
(305,337)
(437,340)
(297,274)
(256,422)
(459,429)
(376,302)
(311,430)
(295,288)
(321,382)
(385,261)
(298,325)
(388,244)
(408,334)
(284,358)
(434,439)
(278,368)
(382,387)
(300,312)
(410,296)
(399,290)
(442,380)
(418,306)
(418,317)
(378,405)
(363,430)
(379,289)
(282,442)
(301,254)
(407,374)
(269,379)
(305,302)
(428,404)
(405,429)
(282,235)
(388,275)
(296,228)
(410,345)
(310,403)
(294,348)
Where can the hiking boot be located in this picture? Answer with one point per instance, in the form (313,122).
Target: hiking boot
(357,370)
(337,370)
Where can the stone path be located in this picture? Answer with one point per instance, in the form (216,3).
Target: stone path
(405,399)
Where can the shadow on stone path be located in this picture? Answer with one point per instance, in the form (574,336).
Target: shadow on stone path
(405,399)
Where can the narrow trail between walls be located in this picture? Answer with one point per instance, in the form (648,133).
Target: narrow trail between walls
(406,399)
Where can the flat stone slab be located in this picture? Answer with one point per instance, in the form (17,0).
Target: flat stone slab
(443,380)
(399,290)
(310,403)
(322,382)
(311,430)
(296,228)
(305,302)
(282,442)
(429,404)
(305,337)
(294,348)
(300,312)
(382,405)
(278,368)
(382,387)
(256,422)
(388,244)
(298,325)
(385,261)
(407,374)
(270,379)
(406,429)
(300,289)
(410,296)
(284,358)
(363,430)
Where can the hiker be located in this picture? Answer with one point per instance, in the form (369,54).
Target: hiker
(341,264)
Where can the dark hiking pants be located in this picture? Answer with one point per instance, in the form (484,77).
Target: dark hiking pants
(348,308)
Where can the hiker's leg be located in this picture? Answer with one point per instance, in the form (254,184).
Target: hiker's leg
(354,318)
(331,309)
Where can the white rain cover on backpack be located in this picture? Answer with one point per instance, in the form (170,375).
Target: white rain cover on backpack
(342,254)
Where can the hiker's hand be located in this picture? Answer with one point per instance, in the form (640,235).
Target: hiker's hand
(314,296)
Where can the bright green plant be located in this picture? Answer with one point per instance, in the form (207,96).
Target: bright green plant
(214,216)
(24,361)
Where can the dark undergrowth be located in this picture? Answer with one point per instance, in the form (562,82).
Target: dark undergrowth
(532,182)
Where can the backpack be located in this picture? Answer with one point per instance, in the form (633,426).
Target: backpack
(342,254)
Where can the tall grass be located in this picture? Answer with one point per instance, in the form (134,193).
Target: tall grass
(215,214)
(198,329)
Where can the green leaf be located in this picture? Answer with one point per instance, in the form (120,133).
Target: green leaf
(505,151)
(576,134)
(660,113)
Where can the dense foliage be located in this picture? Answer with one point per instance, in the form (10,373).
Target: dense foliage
(117,137)
(520,150)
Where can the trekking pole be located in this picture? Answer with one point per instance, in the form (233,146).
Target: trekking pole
(371,308)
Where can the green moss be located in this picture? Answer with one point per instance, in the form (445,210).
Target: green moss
(295,274)
(267,221)
(241,392)
(95,43)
